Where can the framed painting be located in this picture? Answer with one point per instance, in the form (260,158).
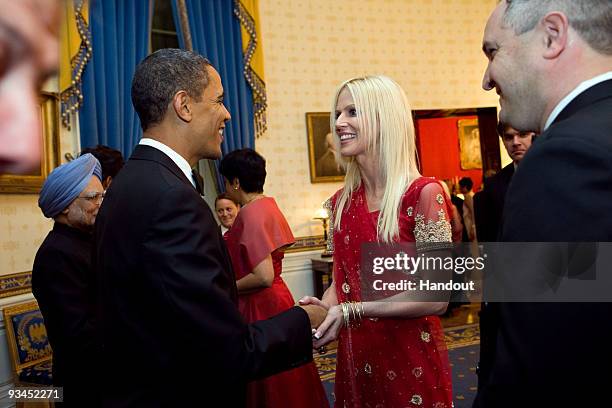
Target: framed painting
(469,144)
(321,152)
(33,181)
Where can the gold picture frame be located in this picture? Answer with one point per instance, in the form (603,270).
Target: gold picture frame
(323,168)
(15,284)
(469,144)
(32,183)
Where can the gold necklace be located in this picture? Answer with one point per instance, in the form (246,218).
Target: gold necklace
(255,197)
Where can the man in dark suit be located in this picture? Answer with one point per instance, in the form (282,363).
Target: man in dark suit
(551,64)
(488,209)
(489,202)
(172,334)
(62,276)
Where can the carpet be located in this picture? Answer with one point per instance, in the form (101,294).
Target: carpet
(463,350)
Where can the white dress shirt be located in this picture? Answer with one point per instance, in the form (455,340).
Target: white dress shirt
(572,95)
(174,156)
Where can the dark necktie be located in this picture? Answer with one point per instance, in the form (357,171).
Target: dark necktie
(199,181)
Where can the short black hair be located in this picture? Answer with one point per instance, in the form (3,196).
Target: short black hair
(501,128)
(160,76)
(110,159)
(466,182)
(246,165)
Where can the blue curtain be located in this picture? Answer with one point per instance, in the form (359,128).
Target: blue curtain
(120,35)
(215,33)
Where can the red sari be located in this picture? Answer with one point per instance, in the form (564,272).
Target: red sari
(260,229)
(389,362)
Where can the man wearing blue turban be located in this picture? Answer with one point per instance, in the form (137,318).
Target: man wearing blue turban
(61,275)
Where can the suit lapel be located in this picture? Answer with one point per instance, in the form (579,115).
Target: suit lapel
(602,90)
(507,173)
(144,152)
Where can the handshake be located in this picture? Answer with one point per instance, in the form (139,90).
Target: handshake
(316,313)
(326,320)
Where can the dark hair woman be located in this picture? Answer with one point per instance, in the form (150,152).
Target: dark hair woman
(256,243)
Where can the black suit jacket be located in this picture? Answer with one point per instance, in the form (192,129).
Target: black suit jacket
(488,209)
(172,335)
(553,354)
(62,285)
(489,204)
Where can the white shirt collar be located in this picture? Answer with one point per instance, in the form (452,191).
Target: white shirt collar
(174,156)
(572,95)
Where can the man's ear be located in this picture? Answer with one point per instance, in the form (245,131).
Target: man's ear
(181,103)
(555,31)
(107,182)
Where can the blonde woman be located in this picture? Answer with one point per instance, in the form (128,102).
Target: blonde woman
(390,354)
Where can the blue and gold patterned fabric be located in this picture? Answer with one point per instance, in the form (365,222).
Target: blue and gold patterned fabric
(28,343)
(38,374)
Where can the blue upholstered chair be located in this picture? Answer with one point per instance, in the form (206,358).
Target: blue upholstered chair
(28,343)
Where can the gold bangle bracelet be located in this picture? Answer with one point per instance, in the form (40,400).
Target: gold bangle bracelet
(345,314)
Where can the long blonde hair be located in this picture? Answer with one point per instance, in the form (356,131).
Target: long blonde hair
(385,121)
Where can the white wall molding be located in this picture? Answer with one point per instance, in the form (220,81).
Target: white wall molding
(5,402)
(297,273)
(13,300)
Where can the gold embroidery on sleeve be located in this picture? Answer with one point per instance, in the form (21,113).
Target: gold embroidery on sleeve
(431,232)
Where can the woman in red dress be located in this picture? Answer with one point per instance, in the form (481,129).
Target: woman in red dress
(256,244)
(390,354)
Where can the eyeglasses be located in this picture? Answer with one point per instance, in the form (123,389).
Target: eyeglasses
(95,197)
